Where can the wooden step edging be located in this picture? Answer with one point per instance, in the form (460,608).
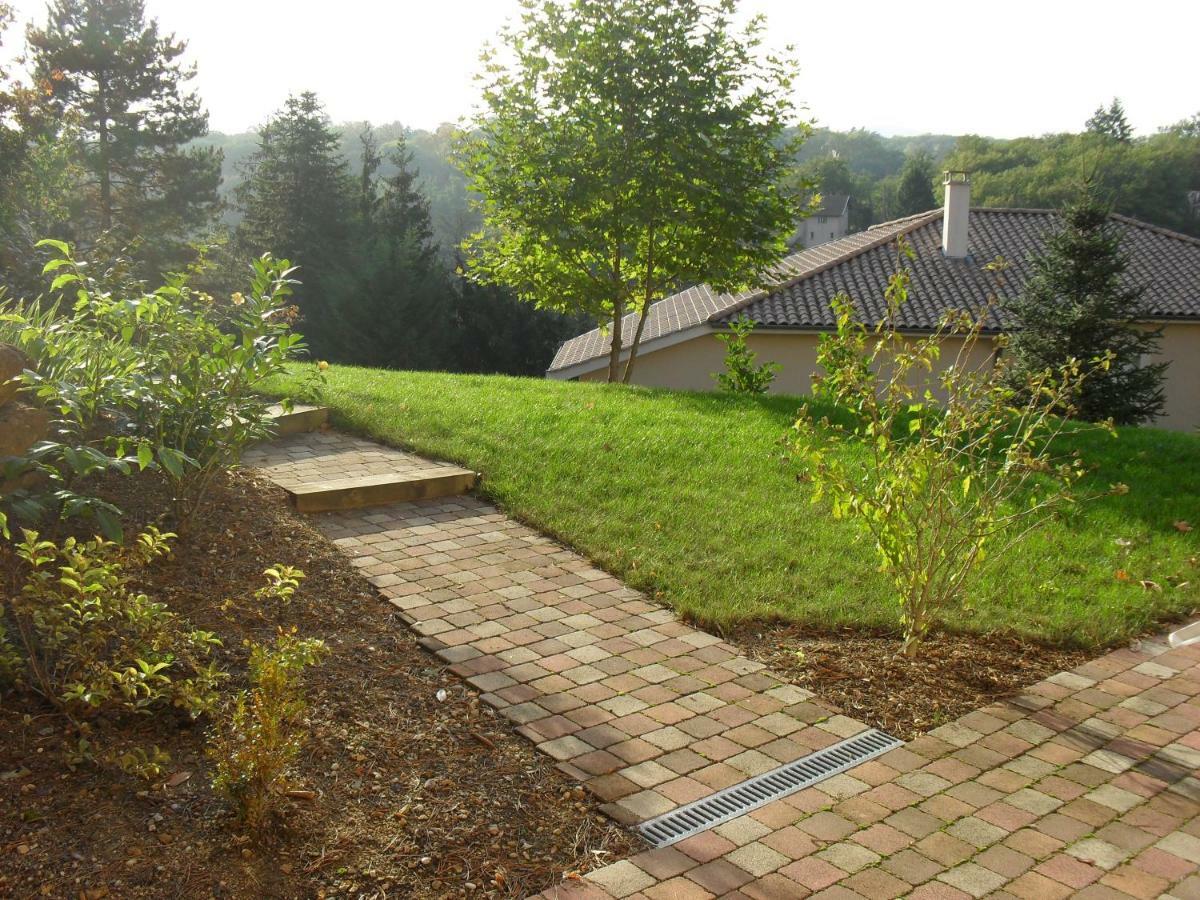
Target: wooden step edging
(376,490)
(301,419)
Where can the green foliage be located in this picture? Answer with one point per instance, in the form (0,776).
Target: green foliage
(742,374)
(297,200)
(1147,178)
(122,84)
(680,494)
(262,730)
(95,648)
(282,582)
(135,378)
(942,481)
(1111,122)
(914,192)
(1079,304)
(625,150)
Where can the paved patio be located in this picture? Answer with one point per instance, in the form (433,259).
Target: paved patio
(1084,785)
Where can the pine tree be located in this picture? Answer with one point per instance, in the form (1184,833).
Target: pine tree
(297,200)
(393,307)
(369,163)
(915,191)
(1078,303)
(123,83)
(1111,122)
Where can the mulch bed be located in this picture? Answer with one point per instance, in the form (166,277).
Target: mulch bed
(866,677)
(412,796)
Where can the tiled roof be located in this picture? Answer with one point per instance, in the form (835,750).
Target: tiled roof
(798,292)
(698,305)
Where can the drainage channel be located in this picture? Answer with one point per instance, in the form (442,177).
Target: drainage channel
(762,789)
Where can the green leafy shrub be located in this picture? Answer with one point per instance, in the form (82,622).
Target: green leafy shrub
(96,649)
(282,582)
(742,375)
(939,481)
(260,733)
(136,378)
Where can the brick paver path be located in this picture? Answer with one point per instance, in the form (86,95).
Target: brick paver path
(1086,785)
(326,456)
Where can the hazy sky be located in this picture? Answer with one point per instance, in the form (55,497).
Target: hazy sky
(1004,67)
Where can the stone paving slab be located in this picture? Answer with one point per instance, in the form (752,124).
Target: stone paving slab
(1086,785)
(647,712)
(310,457)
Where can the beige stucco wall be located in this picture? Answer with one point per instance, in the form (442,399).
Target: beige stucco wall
(1181,346)
(689,365)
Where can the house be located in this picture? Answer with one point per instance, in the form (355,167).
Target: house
(828,223)
(951,247)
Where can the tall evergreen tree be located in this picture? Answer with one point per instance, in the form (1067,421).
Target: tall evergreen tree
(124,86)
(1079,304)
(369,163)
(915,191)
(297,199)
(393,308)
(1111,122)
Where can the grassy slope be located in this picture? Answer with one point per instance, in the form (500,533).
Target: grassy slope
(687,496)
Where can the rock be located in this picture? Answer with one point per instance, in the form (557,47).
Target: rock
(21,427)
(12,363)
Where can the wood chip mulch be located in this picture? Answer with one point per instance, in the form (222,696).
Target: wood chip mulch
(866,677)
(398,793)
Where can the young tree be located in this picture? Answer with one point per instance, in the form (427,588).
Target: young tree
(914,194)
(941,482)
(122,82)
(1079,304)
(297,200)
(1111,122)
(630,148)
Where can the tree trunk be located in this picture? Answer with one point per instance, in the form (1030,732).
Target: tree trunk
(637,342)
(105,162)
(614,354)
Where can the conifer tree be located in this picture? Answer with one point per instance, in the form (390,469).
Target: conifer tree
(123,86)
(297,200)
(1079,303)
(1111,122)
(915,191)
(394,309)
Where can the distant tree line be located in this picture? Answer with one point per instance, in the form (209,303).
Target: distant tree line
(105,144)
(1148,177)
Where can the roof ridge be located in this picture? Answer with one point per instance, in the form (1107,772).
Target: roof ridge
(910,223)
(1157,229)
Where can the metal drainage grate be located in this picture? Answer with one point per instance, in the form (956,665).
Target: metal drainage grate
(762,789)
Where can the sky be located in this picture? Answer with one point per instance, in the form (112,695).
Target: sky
(1003,68)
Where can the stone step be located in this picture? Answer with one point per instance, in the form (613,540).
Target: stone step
(302,418)
(375,490)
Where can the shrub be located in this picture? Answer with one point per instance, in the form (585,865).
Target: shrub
(96,649)
(741,375)
(260,734)
(939,484)
(165,378)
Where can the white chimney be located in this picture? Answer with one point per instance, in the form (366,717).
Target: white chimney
(956,215)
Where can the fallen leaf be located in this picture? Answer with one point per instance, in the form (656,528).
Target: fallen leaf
(1151,586)
(1121,575)
(302,795)
(1183,526)
(178,778)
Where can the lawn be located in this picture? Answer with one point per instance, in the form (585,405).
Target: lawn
(689,497)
